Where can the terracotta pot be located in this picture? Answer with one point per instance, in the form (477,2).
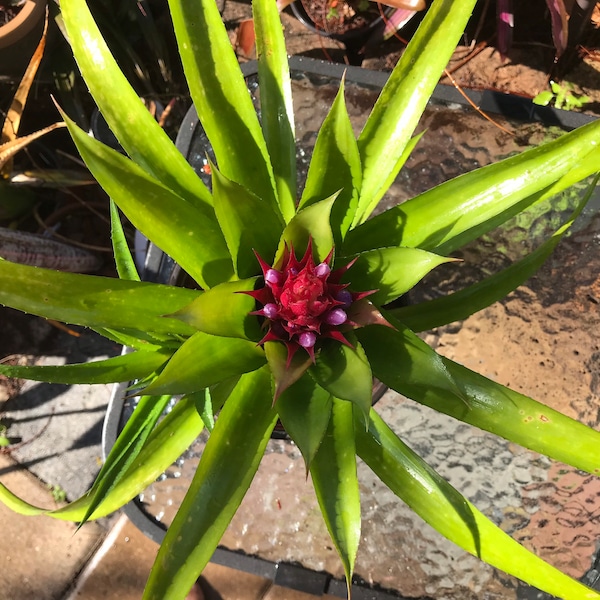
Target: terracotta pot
(337,27)
(19,37)
(354,32)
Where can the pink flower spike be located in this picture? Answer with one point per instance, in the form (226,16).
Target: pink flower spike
(263,265)
(308,255)
(334,334)
(337,274)
(303,302)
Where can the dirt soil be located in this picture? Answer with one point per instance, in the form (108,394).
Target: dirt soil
(529,64)
(7,13)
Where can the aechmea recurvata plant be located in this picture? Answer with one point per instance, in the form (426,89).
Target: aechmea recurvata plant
(274,336)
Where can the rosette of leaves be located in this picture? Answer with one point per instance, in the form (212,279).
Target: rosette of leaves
(230,354)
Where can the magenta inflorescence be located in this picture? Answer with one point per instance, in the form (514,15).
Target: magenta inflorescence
(303,302)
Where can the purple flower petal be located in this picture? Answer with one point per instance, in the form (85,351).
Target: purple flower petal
(344,296)
(307,339)
(273,276)
(322,270)
(270,310)
(336,317)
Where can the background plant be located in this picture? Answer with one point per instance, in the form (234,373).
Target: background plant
(562,96)
(17,185)
(252,208)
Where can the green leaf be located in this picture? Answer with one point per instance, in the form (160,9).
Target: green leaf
(123,260)
(136,129)
(403,99)
(94,301)
(221,391)
(206,409)
(406,364)
(461,304)
(363,313)
(224,311)
(364,207)
(126,449)
(166,443)
(310,223)
(417,368)
(460,210)
(543,98)
(223,476)
(445,509)
(126,367)
(391,271)
(333,472)
(189,234)
(284,373)
(248,224)
(221,97)
(139,340)
(335,166)
(276,105)
(304,410)
(204,360)
(345,372)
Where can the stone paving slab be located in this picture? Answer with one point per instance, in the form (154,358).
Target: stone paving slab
(120,568)
(59,426)
(62,430)
(280,593)
(224,583)
(40,556)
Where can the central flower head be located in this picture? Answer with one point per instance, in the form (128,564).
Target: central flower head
(303,301)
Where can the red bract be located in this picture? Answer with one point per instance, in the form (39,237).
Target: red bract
(303,302)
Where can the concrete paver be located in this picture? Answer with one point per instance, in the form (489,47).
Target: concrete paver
(40,555)
(277,592)
(62,425)
(121,566)
(223,583)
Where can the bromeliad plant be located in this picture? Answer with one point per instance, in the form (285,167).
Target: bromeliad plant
(291,321)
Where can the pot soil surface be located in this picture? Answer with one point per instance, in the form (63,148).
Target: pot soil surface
(8,13)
